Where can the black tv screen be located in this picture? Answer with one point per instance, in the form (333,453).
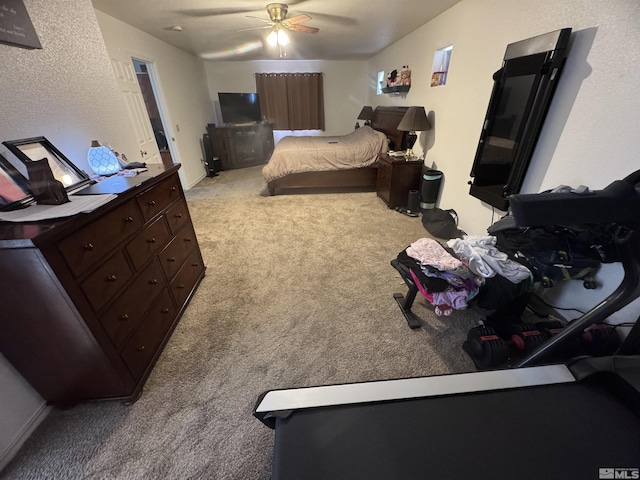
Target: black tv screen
(240,107)
(522,92)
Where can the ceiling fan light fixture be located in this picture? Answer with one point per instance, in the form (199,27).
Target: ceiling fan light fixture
(283,38)
(272,39)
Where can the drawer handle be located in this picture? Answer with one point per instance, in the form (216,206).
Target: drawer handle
(173,189)
(124,316)
(188,239)
(178,215)
(88,246)
(152,203)
(152,240)
(154,281)
(195,264)
(181,286)
(172,259)
(165,310)
(141,348)
(129,219)
(111,278)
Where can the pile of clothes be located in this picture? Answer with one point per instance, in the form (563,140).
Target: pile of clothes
(450,276)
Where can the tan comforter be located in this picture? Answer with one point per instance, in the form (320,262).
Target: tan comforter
(312,154)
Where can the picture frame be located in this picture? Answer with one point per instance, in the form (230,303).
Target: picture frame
(16,28)
(36,148)
(15,192)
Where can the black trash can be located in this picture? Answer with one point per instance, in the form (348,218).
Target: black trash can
(212,167)
(429,188)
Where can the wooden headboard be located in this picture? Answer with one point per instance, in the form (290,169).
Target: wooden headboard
(386,120)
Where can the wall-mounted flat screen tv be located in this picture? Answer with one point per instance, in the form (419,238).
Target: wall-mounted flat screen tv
(239,108)
(522,92)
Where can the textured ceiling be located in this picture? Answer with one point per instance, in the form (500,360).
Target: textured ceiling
(349,29)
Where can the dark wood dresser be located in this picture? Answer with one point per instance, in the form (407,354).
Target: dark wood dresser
(89,302)
(241,146)
(396,177)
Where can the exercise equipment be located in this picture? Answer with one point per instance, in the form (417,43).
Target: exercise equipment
(489,350)
(616,209)
(533,422)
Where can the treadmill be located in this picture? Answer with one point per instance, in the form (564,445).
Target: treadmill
(575,421)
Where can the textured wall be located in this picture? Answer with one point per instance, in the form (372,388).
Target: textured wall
(66,91)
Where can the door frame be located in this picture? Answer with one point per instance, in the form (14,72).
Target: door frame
(160,101)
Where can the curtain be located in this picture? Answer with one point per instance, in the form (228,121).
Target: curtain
(292,101)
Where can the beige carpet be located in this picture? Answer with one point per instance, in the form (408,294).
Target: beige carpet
(298,292)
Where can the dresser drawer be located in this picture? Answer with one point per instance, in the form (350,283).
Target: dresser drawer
(156,199)
(185,281)
(177,251)
(148,242)
(101,285)
(126,313)
(177,216)
(143,345)
(86,246)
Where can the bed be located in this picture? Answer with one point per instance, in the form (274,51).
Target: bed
(342,162)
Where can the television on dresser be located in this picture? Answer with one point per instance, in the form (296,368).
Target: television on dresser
(239,108)
(521,95)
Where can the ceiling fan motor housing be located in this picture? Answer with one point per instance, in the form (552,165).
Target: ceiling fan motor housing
(277,12)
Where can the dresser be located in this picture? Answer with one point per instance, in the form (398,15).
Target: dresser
(90,301)
(396,177)
(241,145)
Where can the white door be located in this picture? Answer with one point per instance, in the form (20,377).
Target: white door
(128,83)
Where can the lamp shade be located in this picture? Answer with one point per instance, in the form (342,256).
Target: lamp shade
(366,113)
(102,160)
(414,120)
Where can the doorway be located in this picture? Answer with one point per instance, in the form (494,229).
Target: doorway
(144,75)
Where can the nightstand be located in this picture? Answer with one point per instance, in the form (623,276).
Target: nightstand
(396,176)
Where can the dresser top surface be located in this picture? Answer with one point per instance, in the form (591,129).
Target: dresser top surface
(20,234)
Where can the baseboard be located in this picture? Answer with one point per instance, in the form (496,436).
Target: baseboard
(195,182)
(29,427)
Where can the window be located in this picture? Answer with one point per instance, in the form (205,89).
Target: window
(440,67)
(380,83)
(292,101)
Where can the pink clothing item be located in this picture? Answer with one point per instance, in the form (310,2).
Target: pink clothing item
(443,310)
(421,288)
(429,252)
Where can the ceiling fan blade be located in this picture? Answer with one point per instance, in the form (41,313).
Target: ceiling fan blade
(301,28)
(297,19)
(213,12)
(258,18)
(254,28)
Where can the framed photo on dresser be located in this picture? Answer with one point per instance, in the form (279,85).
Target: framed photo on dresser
(33,149)
(14,187)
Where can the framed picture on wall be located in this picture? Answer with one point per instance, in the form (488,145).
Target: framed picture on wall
(37,148)
(16,28)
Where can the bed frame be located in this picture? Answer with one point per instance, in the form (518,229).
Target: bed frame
(386,120)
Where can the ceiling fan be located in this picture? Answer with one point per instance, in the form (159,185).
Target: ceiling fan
(278,20)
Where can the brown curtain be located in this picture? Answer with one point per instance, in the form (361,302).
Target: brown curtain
(292,101)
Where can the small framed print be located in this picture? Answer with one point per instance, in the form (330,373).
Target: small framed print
(32,149)
(16,28)
(14,187)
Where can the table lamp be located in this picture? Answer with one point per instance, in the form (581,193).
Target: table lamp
(414,120)
(366,114)
(101,159)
